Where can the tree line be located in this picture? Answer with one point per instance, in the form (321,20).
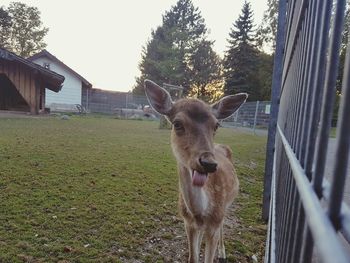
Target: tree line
(21,29)
(180,53)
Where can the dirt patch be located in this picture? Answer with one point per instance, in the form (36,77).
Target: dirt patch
(170,243)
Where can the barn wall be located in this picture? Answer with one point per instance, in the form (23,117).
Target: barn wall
(71,92)
(25,83)
(10,98)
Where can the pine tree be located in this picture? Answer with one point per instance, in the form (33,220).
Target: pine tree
(159,62)
(267,30)
(205,71)
(178,51)
(241,58)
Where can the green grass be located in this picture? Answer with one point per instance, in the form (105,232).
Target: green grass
(97,189)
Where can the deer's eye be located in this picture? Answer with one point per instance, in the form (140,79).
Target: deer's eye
(178,126)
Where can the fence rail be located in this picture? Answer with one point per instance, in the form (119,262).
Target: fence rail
(308,219)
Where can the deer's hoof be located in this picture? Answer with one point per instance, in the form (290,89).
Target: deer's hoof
(222,260)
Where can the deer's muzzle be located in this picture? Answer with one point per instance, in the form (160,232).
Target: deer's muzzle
(208,162)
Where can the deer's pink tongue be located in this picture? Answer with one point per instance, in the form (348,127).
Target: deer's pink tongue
(198,179)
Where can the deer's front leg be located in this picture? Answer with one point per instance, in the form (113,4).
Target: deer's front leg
(193,236)
(221,246)
(211,242)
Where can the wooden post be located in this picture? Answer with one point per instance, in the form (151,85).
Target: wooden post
(32,97)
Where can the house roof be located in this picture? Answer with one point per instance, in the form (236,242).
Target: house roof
(45,53)
(52,79)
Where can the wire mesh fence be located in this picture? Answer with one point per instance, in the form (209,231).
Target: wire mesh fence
(253,115)
(120,103)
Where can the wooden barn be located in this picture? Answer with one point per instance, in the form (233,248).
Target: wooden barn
(23,83)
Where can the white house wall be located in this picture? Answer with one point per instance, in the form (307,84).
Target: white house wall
(71,89)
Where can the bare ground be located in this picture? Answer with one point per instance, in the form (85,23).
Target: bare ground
(171,243)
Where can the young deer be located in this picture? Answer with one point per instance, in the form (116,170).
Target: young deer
(208,182)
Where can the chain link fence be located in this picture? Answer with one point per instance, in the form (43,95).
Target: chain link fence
(252,115)
(122,104)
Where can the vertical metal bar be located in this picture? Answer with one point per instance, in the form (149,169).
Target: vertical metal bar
(293,92)
(291,220)
(300,87)
(295,87)
(273,213)
(299,232)
(329,93)
(307,245)
(342,148)
(323,19)
(255,116)
(286,215)
(299,217)
(308,82)
(303,100)
(324,22)
(281,190)
(236,118)
(269,241)
(275,93)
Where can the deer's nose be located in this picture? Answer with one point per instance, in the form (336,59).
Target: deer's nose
(209,164)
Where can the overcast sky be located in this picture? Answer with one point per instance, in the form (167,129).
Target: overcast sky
(102,40)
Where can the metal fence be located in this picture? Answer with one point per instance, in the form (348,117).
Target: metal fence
(308,219)
(253,115)
(111,102)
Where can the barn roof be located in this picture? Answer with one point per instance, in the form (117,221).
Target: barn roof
(52,80)
(45,53)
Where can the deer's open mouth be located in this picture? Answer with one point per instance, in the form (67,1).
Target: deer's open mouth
(198,179)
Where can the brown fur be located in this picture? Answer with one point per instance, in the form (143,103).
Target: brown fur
(221,186)
(202,203)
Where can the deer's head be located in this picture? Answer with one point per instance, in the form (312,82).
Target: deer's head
(193,127)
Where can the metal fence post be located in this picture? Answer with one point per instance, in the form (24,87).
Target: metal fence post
(126,100)
(255,116)
(308,216)
(275,93)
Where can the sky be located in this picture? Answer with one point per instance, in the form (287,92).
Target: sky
(103,40)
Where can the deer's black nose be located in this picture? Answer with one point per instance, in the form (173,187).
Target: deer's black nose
(208,164)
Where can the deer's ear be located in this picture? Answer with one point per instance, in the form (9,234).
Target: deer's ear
(158,97)
(225,107)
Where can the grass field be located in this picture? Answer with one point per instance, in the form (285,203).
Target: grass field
(98,189)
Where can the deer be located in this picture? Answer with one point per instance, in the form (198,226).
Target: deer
(208,183)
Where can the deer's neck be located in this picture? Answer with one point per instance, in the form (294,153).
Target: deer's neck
(195,198)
